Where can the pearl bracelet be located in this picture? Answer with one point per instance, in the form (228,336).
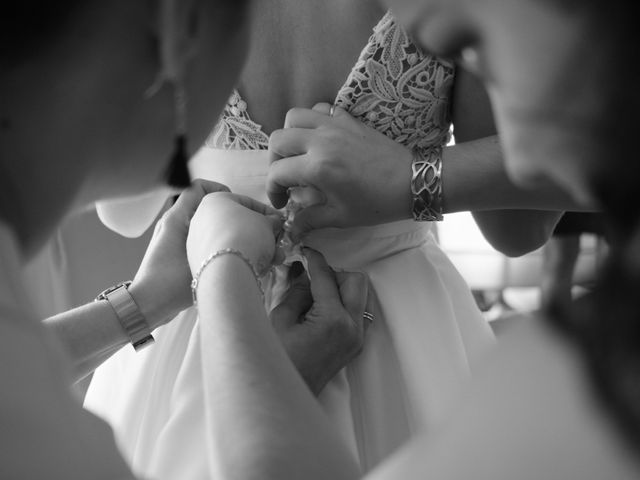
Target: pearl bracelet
(426,184)
(220,253)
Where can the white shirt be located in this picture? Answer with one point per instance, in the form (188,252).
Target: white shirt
(44,432)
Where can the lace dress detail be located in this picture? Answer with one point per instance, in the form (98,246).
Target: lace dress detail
(235,130)
(399,90)
(394,87)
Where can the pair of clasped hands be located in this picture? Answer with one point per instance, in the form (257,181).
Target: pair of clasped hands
(320,321)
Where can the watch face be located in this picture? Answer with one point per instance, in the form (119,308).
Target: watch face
(103,294)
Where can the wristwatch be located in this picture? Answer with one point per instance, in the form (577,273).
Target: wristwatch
(128,313)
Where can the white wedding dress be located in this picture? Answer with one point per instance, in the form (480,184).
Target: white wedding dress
(427,334)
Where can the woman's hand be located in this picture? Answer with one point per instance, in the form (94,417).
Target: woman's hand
(224,220)
(161,285)
(363,176)
(320,323)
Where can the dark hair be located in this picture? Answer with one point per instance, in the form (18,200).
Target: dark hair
(23,24)
(605,325)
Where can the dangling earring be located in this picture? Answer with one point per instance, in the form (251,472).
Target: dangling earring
(177,174)
(173,60)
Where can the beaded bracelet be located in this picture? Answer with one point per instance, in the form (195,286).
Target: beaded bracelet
(426,184)
(214,255)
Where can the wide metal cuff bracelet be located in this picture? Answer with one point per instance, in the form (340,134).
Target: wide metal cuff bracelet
(426,184)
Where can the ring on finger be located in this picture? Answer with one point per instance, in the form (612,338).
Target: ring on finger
(368,316)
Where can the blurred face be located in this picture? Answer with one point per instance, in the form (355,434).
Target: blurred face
(77,103)
(143,137)
(77,124)
(540,65)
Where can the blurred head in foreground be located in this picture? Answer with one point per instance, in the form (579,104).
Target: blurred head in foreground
(562,77)
(94,94)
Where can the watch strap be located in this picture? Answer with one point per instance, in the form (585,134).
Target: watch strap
(130,316)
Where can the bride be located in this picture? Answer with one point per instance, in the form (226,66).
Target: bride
(427,333)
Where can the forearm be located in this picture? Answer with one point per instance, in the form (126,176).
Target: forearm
(513,220)
(90,334)
(474,179)
(266,423)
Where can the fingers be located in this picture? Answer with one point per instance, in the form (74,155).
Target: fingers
(338,112)
(311,218)
(341,114)
(298,133)
(306,196)
(323,279)
(305,118)
(323,108)
(370,306)
(253,204)
(296,303)
(354,292)
(291,163)
(291,177)
(289,142)
(316,117)
(277,224)
(285,173)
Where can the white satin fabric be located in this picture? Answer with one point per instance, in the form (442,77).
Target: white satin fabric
(132,216)
(426,338)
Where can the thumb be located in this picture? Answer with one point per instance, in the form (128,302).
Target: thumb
(311,218)
(354,292)
(345,119)
(296,303)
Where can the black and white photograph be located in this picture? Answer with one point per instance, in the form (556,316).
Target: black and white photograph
(319,240)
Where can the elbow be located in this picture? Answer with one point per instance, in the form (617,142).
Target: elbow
(515,233)
(515,251)
(519,245)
